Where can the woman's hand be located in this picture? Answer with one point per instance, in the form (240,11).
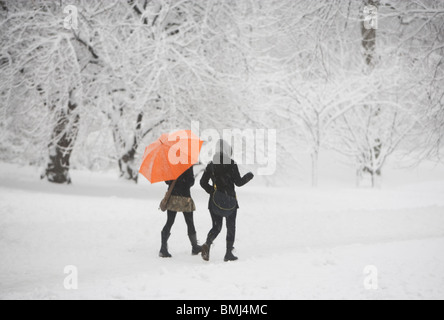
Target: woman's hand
(249,176)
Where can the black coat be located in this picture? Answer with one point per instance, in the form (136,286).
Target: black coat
(184,184)
(225,176)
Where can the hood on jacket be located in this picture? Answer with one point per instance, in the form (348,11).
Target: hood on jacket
(224,152)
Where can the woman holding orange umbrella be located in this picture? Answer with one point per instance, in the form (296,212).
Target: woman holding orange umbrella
(181,201)
(171,159)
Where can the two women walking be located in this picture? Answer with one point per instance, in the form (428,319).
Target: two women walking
(224,175)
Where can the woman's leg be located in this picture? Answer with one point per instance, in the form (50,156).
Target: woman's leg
(166,232)
(170,222)
(217,228)
(231,229)
(231,237)
(212,235)
(189,219)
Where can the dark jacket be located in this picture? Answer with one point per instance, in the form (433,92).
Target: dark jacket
(225,177)
(184,184)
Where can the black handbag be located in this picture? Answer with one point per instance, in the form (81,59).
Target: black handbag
(164,204)
(223,204)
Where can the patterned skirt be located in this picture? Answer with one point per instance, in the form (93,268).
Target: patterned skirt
(181,204)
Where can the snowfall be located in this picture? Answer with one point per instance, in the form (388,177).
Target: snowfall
(294,242)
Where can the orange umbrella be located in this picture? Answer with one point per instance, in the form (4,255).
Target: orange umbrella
(170,156)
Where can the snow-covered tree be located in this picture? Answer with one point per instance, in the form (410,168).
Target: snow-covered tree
(41,83)
(95,81)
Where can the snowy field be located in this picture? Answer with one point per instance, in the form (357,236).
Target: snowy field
(293,243)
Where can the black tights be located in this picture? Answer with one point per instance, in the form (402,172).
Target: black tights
(189,219)
(217,228)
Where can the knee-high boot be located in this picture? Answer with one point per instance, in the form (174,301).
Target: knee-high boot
(164,249)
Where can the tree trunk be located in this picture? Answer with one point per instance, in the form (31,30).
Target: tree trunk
(369,37)
(369,33)
(127,164)
(359,173)
(3,6)
(60,149)
(315,169)
(127,168)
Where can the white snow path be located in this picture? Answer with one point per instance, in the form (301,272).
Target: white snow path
(292,243)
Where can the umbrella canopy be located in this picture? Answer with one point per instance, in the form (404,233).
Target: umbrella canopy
(170,156)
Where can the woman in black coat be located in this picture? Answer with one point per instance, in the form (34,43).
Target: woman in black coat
(224,173)
(181,201)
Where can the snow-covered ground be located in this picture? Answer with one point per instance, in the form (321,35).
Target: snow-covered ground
(292,242)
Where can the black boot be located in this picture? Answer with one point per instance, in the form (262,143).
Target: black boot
(164,249)
(229,256)
(206,252)
(196,247)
